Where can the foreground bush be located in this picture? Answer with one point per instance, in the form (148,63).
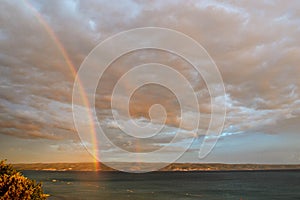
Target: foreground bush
(14,186)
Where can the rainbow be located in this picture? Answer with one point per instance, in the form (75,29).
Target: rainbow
(72,68)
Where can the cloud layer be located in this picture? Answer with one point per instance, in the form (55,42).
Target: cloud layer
(256,46)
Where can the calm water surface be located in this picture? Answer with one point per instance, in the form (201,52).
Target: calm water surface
(264,185)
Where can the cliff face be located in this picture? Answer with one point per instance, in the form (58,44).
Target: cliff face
(171,167)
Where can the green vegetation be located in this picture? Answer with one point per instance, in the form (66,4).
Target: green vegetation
(14,186)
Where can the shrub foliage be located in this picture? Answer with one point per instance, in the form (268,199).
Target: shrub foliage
(14,186)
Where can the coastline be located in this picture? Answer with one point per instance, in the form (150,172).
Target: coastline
(175,167)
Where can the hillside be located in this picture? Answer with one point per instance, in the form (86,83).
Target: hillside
(136,167)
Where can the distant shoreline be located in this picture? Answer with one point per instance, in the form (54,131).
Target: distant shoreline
(174,167)
(200,171)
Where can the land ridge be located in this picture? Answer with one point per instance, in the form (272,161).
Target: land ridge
(145,166)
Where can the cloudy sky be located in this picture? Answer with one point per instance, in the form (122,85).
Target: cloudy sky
(255,44)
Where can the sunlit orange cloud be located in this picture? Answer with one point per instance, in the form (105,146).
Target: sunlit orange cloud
(254,44)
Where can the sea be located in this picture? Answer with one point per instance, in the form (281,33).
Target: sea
(239,185)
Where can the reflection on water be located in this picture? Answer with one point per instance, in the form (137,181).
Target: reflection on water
(170,185)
